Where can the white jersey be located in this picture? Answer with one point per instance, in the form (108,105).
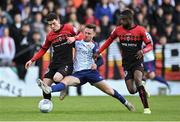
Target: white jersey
(149,56)
(7,48)
(83,59)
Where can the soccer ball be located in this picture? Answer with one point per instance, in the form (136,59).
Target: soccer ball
(45,105)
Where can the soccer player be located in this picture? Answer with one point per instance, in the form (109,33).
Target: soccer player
(85,70)
(61,63)
(131,37)
(149,66)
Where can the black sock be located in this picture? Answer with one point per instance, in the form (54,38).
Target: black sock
(142,94)
(46,96)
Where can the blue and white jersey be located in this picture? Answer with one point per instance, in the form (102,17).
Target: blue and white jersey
(83,59)
(149,56)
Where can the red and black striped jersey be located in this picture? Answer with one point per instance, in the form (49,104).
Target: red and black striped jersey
(130,42)
(62,51)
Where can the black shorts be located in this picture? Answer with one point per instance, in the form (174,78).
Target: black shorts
(129,74)
(64,70)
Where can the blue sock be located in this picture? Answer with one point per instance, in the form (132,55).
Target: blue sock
(119,97)
(161,80)
(58,87)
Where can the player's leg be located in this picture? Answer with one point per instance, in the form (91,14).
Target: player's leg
(79,91)
(138,74)
(67,81)
(72,81)
(51,74)
(148,67)
(96,79)
(45,86)
(130,84)
(153,76)
(112,92)
(64,71)
(47,82)
(146,89)
(58,77)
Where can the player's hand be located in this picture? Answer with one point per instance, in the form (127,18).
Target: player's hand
(96,55)
(139,54)
(70,40)
(28,64)
(94,67)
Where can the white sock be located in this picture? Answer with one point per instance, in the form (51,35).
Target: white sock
(126,102)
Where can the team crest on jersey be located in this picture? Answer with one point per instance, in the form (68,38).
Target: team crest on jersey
(59,38)
(128,36)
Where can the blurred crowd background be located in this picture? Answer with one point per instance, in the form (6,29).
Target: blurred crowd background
(23,28)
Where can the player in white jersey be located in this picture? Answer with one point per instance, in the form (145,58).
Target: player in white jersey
(149,66)
(85,70)
(7,49)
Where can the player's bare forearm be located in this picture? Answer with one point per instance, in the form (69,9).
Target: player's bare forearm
(28,64)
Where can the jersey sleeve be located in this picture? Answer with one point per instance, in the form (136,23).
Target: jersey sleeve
(71,28)
(99,60)
(76,33)
(95,49)
(79,36)
(42,51)
(147,40)
(109,40)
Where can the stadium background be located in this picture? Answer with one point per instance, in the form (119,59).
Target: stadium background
(25,21)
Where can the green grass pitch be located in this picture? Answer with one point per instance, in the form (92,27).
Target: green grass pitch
(92,108)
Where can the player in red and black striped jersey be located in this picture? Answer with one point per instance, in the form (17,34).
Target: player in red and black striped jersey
(61,63)
(131,37)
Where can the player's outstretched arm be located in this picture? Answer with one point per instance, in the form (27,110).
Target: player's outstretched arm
(80,36)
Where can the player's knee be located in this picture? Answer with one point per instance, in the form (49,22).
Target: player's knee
(57,78)
(137,80)
(131,90)
(76,82)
